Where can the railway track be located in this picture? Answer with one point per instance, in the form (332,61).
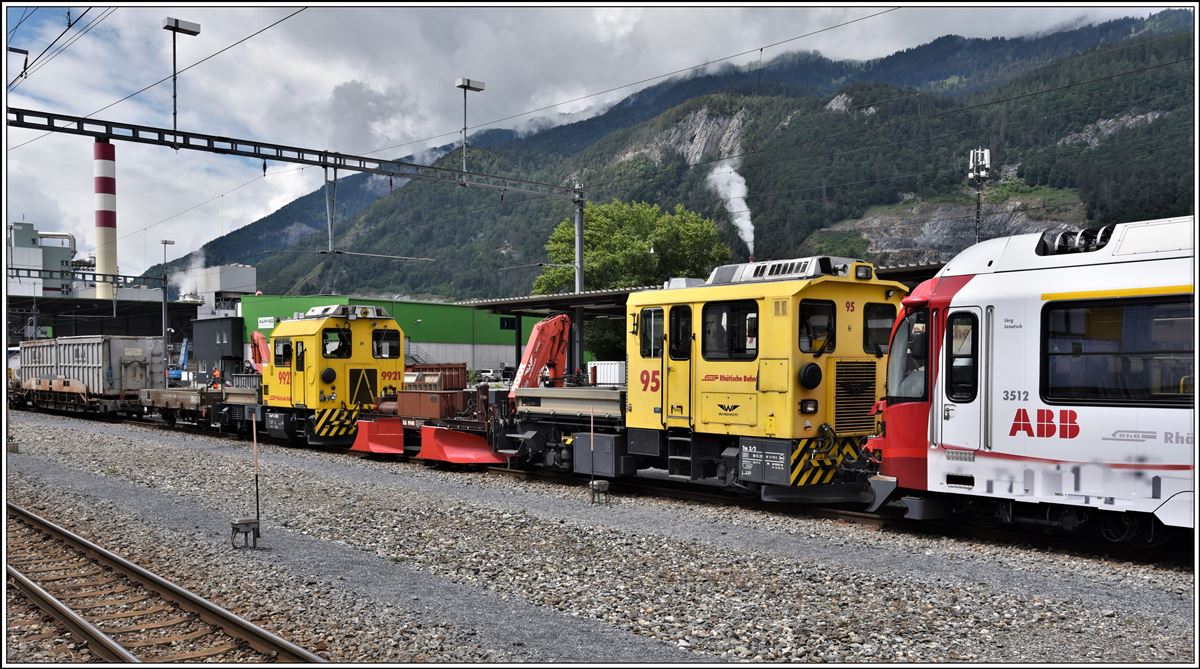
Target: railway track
(1177,552)
(124,613)
(890,519)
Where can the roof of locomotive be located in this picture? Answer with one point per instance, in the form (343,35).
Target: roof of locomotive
(318,318)
(741,282)
(1125,242)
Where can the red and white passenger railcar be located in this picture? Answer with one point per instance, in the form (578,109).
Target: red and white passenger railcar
(1049,378)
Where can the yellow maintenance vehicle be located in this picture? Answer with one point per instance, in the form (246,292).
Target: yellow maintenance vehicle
(325,367)
(763,377)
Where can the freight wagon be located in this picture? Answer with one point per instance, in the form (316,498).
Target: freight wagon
(101,374)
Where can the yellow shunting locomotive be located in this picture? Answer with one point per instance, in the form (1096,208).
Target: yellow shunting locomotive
(762,377)
(325,368)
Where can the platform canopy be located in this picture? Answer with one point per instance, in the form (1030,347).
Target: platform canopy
(594,303)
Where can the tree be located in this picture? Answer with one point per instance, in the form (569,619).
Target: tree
(627,245)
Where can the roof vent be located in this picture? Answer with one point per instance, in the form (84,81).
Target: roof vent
(781,270)
(1061,240)
(680,282)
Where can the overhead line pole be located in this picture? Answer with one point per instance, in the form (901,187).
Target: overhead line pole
(578,343)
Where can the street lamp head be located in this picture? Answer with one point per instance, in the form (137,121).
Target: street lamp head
(180,26)
(469,84)
(168,241)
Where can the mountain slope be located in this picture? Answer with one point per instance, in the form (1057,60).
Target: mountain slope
(820,142)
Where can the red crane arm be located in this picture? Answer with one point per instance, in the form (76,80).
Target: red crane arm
(547,348)
(260,351)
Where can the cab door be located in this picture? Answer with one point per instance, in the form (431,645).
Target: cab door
(961,387)
(297,387)
(678,361)
(646,369)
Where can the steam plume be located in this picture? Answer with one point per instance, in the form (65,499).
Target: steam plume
(731,186)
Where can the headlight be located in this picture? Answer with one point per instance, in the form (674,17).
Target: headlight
(808,406)
(810,375)
(328,375)
(862,272)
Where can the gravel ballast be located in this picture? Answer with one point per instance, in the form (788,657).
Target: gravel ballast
(682,581)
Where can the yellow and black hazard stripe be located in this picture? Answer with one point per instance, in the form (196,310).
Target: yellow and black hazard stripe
(815,461)
(330,423)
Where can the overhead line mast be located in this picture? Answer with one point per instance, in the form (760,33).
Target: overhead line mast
(179,139)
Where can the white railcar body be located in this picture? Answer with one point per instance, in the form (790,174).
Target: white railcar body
(1063,376)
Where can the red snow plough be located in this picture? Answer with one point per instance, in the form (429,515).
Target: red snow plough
(435,416)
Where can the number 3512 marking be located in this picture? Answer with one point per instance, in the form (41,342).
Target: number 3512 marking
(1016,395)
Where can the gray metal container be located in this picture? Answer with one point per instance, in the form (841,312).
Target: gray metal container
(97,365)
(602,455)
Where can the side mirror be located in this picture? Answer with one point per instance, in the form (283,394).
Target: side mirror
(918,346)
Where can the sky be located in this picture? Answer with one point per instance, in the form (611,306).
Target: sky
(370,78)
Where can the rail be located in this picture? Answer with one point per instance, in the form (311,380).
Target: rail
(235,626)
(100,643)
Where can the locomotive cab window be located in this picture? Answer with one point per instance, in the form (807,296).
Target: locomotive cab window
(651,333)
(385,344)
(906,365)
(962,344)
(335,343)
(878,319)
(730,330)
(283,352)
(681,333)
(1129,352)
(817,324)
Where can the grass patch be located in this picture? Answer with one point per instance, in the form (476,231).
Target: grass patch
(836,243)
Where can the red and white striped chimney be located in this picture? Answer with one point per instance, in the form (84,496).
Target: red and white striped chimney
(104,171)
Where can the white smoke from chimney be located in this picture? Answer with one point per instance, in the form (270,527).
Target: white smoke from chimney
(187,282)
(731,186)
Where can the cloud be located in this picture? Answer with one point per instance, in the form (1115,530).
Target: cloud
(362,78)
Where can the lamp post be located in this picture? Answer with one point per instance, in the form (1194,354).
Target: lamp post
(176,26)
(466,85)
(166,340)
(980,162)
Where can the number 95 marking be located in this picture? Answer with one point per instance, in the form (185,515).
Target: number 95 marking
(650,380)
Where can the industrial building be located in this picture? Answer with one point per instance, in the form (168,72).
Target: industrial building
(435,332)
(29,248)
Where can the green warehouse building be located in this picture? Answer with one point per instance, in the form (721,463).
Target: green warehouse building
(434,331)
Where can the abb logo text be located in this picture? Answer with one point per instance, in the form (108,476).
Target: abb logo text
(1067,426)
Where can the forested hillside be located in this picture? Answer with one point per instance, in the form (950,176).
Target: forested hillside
(1099,116)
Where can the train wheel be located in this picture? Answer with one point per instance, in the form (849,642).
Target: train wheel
(1151,533)
(984,514)
(1118,527)
(168,417)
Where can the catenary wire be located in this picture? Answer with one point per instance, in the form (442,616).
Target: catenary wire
(138,92)
(109,11)
(70,25)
